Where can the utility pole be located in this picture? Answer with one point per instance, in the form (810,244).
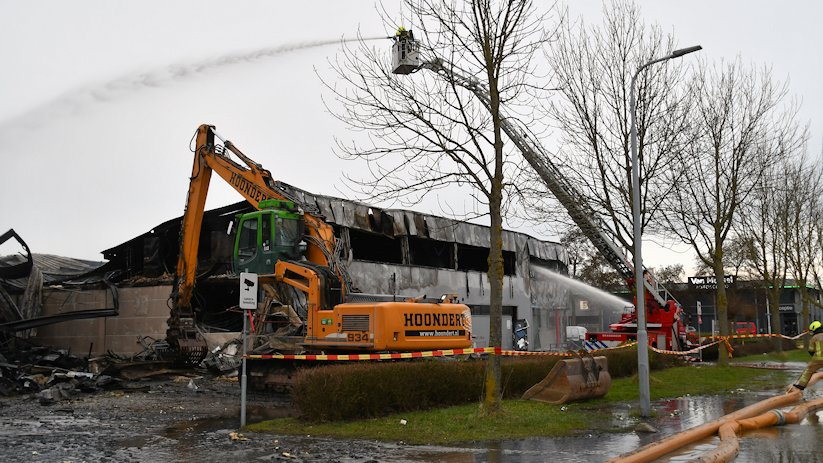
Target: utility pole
(639,277)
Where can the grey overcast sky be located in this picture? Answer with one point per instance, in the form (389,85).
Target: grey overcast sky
(100,98)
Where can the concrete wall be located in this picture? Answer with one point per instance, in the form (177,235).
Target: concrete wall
(143,312)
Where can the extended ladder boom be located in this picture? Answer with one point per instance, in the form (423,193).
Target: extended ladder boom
(580,212)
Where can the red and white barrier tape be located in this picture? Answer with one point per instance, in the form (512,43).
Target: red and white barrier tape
(492,350)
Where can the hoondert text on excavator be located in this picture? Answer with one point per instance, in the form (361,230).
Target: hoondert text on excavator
(244,186)
(433,319)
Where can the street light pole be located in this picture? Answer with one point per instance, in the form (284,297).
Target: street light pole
(640,293)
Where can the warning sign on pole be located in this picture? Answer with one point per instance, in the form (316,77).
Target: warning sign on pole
(248,291)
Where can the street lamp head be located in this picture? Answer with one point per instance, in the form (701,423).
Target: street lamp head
(685,51)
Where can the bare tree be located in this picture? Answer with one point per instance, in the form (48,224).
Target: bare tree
(578,250)
(669,274)
(817,269)
(598,273)
(427,132)
(763,230)
(593,67)
(735,129)
(803,212)
(587,264)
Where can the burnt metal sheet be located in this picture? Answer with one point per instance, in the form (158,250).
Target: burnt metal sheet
(441,228)
(398,222)
(361,217)
(347,209)
(131,256)
(55,269)
(17,266)
(33,322)
(473,235)
(338,212)
(547,250)
(510,240)
(324,205)
(29,323)
(353,214)
(420,224)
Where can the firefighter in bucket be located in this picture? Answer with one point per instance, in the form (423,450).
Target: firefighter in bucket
(405,52)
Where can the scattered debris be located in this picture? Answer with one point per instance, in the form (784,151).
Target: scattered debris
(236,436)
(224,360)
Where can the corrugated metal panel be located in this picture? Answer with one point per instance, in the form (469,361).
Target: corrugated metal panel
(324,205)
(404,223)
(440,228)
(510,240)
(54,268)
(547,250)
(398,224)
(347,217)
(361,216)
(420,225)
(338,212)
(474,235)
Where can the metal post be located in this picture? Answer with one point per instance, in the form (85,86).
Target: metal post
(243,373)
(640,293)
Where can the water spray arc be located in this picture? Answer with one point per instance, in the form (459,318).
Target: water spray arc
(78,99)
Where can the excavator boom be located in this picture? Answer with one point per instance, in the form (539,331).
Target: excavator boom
(256,185)
(289,243)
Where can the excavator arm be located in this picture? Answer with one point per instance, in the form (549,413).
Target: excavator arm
(255,184)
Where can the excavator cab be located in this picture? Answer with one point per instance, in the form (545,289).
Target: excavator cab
(273,233)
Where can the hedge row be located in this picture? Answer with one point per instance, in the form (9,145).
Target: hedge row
(368,390)
(749,346)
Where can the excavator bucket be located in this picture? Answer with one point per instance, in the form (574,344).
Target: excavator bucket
(192,351)
(581,378)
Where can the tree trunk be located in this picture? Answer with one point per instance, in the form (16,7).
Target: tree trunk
(805,312)
(722,302)
(492,398)
(774,308)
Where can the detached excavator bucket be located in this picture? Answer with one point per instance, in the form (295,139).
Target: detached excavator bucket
(580,378)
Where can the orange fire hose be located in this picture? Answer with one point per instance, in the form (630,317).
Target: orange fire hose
(679,440)
(729,441)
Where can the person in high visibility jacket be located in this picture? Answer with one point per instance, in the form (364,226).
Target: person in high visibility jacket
(816,351)
(403,34)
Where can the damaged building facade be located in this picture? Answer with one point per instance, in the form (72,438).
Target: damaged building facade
(393,252)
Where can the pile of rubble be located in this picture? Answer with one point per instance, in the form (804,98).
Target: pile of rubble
(51,375)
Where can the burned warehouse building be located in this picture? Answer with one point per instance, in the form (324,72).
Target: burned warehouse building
(388,252)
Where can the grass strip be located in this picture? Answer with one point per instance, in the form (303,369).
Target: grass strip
(520,419)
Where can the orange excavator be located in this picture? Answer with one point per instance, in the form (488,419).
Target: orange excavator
(287,242)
